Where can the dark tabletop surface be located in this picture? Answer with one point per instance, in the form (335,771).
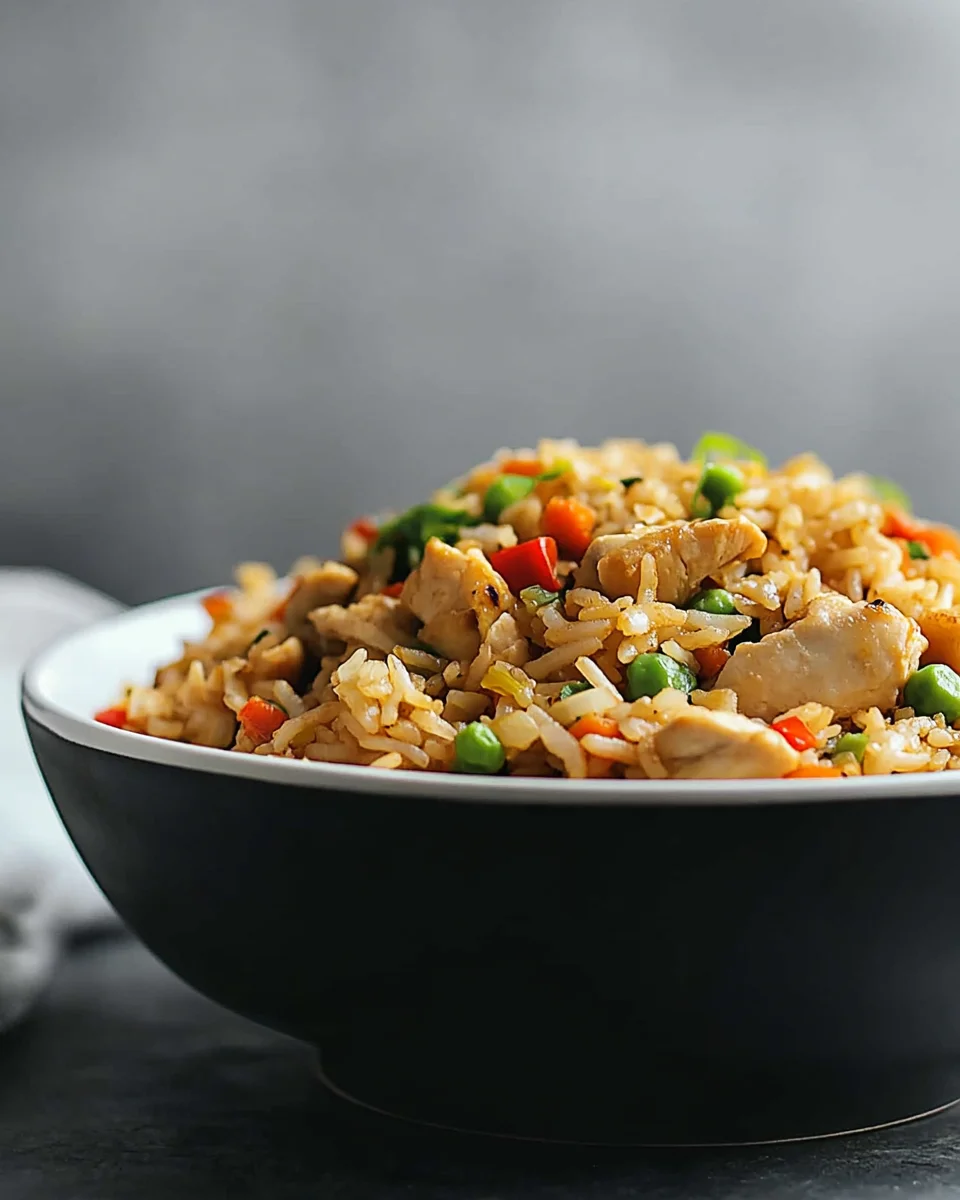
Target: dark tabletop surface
(128,1084)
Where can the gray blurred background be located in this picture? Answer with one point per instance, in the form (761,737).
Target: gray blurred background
(268,264)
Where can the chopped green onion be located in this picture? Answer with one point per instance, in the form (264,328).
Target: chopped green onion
(535,597)
(716,447)
(889,492)
(504,491)
(557,471)
(851,743)
(917,550)
(649,674)
(630,480)
(259,638)
(571,689)
(718,487)
(478,750)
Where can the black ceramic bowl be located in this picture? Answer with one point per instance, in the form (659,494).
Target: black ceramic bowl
(615,962)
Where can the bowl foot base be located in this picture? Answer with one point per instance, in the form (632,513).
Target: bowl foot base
(780,1126)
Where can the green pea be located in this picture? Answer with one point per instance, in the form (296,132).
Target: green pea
(851,743)
(934,689)
(717,488)
(478,750)
(535,597)
(649,674)
(917,550)
(571,689)
(504,491)
(714,600)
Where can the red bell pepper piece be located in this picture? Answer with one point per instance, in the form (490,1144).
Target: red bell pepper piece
(115,716)
(530,563)
(392,589)
(795,733)
(365,528)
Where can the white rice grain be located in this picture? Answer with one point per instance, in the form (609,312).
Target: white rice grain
(556,740)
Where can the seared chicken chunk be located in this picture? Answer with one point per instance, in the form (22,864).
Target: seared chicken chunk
(846,656)
(330,583)
(378,621)
(283,661)
(458,596)
(686,554)
(702,744)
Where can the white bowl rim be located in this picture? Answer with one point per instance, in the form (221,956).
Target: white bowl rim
(76,725)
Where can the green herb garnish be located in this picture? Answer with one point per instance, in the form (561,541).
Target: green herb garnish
(535,597)
(571,689)
(559,468)
(408,534)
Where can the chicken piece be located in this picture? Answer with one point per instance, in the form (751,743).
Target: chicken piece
(686,554)
(284,661)
(376,621)
(703,744)
(330,583)
(941,628)
(458,596)
(844,655)
(586,574)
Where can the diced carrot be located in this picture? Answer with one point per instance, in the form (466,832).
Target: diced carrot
(570,523)
(815,771)
(115,716)
(712,659)
(219,606)
(260,719)
(939,539)
(793,730)
(280,611)
(365,528)
(522,466)
(592,723)
(393,589)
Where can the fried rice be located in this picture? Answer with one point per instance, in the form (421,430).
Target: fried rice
(611,612)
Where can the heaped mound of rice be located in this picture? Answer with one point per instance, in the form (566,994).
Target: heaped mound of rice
(614,612)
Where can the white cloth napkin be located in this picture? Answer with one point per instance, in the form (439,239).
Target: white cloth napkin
(46,894)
